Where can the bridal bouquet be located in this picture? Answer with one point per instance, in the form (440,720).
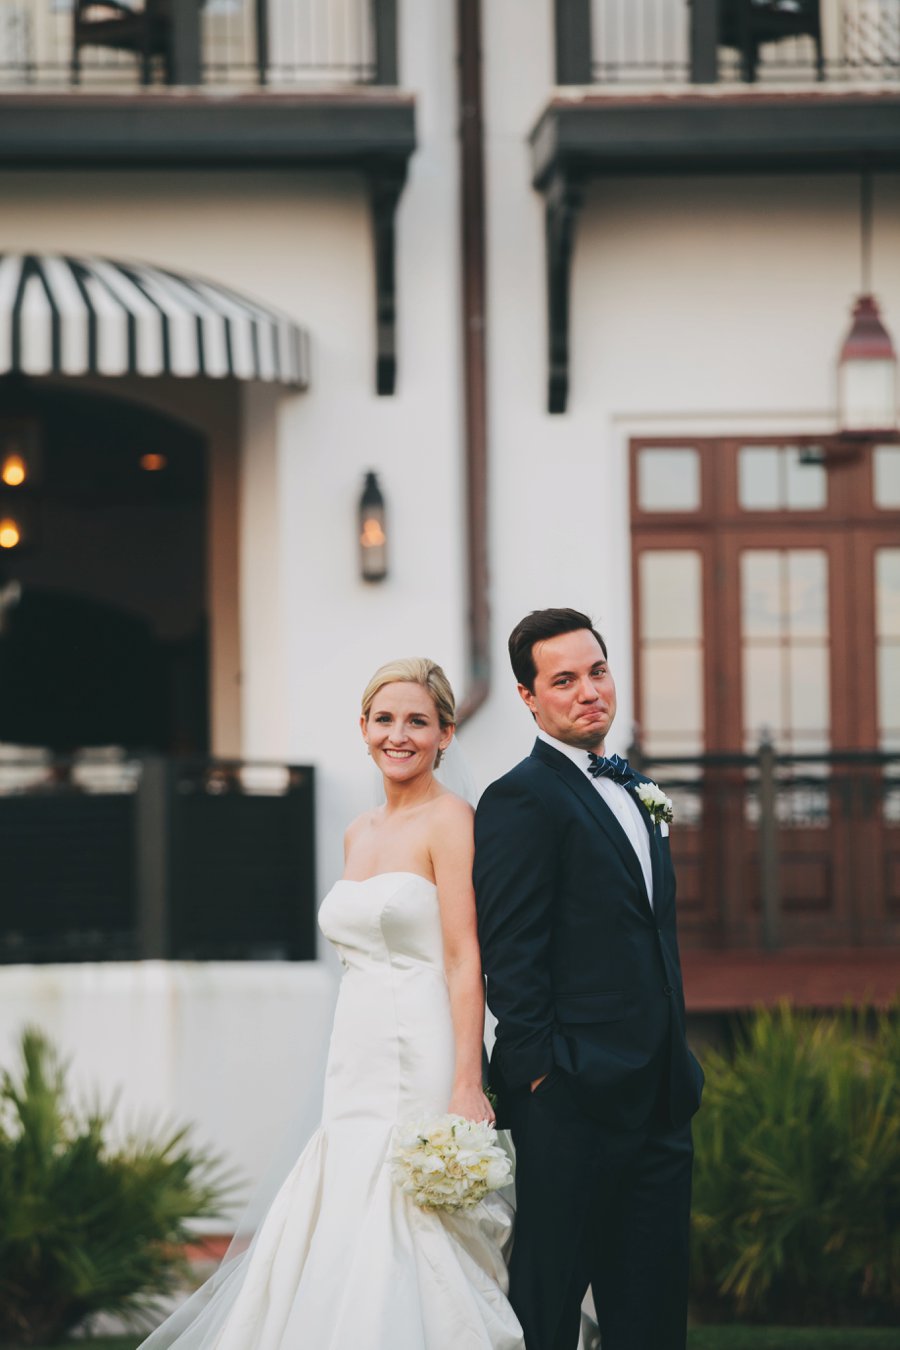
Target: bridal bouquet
(448,1162)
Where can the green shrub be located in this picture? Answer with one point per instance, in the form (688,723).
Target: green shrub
(771,1338)
(797,1181)
(87,1226)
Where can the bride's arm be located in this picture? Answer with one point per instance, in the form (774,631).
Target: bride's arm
(452,850)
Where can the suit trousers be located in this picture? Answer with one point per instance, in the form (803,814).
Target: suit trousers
(603,1208)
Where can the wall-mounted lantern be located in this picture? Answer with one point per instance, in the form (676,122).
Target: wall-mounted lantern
(372,532)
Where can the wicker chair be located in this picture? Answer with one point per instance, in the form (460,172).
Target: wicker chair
(749,24)
(144,32)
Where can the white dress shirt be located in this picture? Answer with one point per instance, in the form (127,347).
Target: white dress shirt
(620,802)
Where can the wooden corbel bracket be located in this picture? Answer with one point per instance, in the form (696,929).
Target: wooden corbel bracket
(385,187)
(563,196)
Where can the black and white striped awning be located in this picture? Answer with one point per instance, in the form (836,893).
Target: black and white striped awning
(77,316)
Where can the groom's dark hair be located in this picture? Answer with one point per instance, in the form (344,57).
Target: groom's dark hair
(538,626)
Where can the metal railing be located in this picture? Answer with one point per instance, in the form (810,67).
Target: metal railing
(114,857)
(663,42)
(110,857)
(286,44)
(776,850)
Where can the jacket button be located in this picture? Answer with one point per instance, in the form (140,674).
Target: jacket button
(668,990)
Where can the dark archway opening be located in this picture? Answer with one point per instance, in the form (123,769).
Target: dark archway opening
(103,629)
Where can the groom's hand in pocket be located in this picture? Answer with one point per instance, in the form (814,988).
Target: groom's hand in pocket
(536,1083)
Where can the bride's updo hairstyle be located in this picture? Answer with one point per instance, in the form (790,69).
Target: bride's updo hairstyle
(415,670)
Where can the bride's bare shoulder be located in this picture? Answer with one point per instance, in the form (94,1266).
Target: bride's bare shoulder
(358,827)
(450,811)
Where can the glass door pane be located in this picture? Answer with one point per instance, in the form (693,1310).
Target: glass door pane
(671,651)
(785,648)
(887,645)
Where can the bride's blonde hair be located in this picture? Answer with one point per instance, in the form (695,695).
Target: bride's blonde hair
(415,670)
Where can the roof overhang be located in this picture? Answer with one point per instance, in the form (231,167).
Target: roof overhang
(207,129)
(602,135)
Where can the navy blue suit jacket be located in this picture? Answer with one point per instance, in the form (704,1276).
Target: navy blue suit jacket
(583,975)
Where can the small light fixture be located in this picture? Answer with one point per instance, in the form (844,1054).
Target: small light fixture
(372,532)
(153,463)
(19,523)
(19,453)
(10,533)
(13,470)
(867,374)
(867,366)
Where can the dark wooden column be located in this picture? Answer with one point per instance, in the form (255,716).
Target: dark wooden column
(262,41)
(152,856)
(185,64)
(384,26)
(574,50)
(704,41)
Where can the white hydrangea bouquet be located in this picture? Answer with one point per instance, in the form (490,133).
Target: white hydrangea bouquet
(448,1162)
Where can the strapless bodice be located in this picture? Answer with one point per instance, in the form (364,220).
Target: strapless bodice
(391,917)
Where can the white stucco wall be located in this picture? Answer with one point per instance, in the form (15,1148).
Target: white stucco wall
(235,1048)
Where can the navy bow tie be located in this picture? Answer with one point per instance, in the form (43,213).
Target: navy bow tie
(614,767)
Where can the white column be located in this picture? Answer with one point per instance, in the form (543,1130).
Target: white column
(264,720)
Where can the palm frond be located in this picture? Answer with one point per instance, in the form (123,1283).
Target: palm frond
(88,1225)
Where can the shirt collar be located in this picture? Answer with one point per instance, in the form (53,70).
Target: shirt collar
(578,757)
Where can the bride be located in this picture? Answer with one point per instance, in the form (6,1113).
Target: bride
(343,1260)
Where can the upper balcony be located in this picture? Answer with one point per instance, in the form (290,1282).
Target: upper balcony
(202,82)
(707,87)
(721,85)
(646,44)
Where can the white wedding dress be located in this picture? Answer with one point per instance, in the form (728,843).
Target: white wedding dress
(342,1260)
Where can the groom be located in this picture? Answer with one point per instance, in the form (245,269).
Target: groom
(576,916)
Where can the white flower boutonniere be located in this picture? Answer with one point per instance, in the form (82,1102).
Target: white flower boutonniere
(656,802)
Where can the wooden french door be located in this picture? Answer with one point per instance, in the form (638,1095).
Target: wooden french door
(767,608)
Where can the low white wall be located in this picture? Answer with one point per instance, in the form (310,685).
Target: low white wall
(237,1049)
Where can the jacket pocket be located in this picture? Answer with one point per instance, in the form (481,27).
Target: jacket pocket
(586,1008)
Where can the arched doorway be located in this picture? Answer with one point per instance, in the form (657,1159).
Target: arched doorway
(103,624)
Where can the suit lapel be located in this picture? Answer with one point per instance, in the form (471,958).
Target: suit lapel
(590,797)
(656,858)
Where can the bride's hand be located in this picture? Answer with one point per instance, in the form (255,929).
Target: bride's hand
(471,1103)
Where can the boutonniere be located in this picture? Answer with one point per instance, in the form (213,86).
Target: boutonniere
(657,803)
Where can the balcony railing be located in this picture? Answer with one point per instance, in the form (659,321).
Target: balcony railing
(770,42)
(237,44)
(777,851)
(108,857)
(105,857)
